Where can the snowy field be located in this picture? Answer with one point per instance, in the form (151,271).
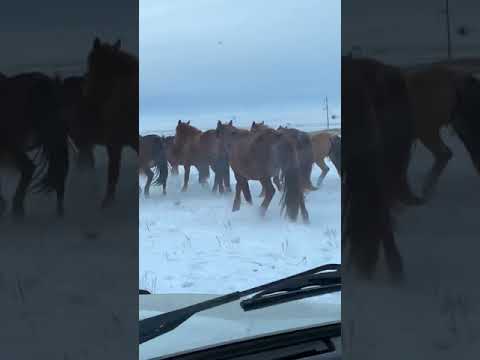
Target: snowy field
(192,242)
(440,247)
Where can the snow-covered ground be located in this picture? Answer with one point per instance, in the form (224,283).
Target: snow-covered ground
(435,314)
(192,242)
(56,275)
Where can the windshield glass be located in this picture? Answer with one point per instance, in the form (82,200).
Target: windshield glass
(264,78)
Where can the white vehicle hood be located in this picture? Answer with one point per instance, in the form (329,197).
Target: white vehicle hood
(230,322)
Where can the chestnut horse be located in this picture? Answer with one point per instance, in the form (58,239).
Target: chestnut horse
(260,156)
(30,112)
(152,154)
(202,149)
(322,143)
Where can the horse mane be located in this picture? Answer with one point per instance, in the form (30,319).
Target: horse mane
(188,130)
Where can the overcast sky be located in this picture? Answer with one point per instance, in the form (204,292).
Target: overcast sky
(223,56)
(58,32)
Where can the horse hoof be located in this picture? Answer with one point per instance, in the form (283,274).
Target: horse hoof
(184,189)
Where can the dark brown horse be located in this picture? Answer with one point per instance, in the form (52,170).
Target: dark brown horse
(152,154)
(110,107)
(378,133)
(260,156)
(203,150)
(30,113)
(439,96)
(304,147)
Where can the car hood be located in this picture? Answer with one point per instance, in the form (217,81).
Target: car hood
(229,322)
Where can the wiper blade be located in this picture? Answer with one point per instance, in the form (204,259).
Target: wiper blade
(317,281)
(316,284)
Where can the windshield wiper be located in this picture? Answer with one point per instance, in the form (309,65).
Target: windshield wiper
(317,281)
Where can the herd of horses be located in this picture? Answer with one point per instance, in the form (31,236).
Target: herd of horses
(48,115)
(385,110)
(283,155)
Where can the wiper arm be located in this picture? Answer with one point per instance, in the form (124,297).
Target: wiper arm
(317,281)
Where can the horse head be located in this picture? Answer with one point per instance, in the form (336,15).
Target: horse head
(105,63)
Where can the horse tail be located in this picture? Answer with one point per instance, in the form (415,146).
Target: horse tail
(53,134)
(160,161)
(293,199)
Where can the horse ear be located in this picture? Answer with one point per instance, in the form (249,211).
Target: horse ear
(179,122)
(231,122)
(96,43)
(254,124)
(262,123)
(117,45)
(188,122)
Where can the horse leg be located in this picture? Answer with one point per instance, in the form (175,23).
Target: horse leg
(149,174)
(226,179)
(238,191)
(393,258)
(246,191)
(269,192)
(186,177)
(277,182)
(442,155)
(325,169)
(174,169)
(217,179)
(26,168)
(203,173)
(114,159)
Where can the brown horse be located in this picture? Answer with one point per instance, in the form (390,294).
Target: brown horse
(260,156)
(203,150)
(152,154)
(435,95)
(30,106)
(378,132)
(322,143)
(110,107)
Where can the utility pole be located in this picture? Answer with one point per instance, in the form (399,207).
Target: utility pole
(326,109)
(447,15)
